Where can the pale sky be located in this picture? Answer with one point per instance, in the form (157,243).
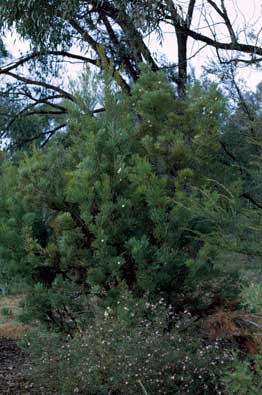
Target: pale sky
(244,13)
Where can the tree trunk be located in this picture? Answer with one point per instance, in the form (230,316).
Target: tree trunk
(182,62)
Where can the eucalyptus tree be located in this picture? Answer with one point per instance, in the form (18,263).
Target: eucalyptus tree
(111,36)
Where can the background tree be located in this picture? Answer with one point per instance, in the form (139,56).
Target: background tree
(113,34)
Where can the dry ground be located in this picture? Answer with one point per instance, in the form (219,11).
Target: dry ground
(9,311)
(13,361)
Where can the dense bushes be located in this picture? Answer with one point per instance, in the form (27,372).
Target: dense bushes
(116,204)
(134,204)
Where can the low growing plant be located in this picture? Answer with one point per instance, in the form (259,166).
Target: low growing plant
(114,356)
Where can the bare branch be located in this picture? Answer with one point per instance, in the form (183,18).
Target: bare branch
(197,52)
(245,48)
(98,110)
(98,48)
(132,34)
(247,196)
(43,84)
(48,133)
(239,60)
(45,100)
(190,12)
(116,43)
(39,54)
(224,15)
(42,112)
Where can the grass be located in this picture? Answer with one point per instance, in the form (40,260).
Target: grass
(9,325)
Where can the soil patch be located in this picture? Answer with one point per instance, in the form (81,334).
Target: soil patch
(13,361)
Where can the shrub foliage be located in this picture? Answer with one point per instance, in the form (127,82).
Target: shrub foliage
(135,204)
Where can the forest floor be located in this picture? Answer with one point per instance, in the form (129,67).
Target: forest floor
(12,364)
(13,361)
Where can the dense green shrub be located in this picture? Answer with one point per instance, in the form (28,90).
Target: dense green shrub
(61,308)
(133,204)
(127,199)
(245,377)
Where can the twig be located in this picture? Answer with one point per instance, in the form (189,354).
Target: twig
(143,388)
